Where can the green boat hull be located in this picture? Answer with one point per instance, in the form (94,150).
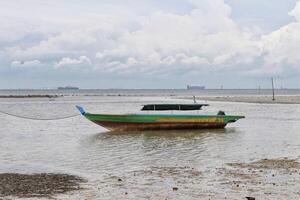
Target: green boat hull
(134,122)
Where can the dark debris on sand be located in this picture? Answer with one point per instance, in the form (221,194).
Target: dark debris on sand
(37,185)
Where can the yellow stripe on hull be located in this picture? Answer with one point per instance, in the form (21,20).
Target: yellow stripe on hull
(208,120)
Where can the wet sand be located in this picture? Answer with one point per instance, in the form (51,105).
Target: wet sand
(267,178)
(37,185)
(261,179)
(283,99)
(271,178)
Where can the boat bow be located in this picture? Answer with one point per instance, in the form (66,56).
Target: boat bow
(81,109)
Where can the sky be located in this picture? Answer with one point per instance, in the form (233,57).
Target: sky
(149,43)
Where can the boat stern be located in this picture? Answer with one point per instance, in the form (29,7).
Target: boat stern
(232,119)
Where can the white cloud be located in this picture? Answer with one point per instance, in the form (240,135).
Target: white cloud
(204,37)
(164,38)
(82,61)
(281,47)
(296,11)
(26,64)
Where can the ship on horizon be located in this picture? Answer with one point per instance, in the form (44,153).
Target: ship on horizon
(68,88)
(195,87)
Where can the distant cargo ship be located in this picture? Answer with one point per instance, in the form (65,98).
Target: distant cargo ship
(68,88)
(195,87)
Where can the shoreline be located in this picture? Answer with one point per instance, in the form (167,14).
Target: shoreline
(30,96)
(259,99)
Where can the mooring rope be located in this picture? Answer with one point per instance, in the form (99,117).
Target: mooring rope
(39,119)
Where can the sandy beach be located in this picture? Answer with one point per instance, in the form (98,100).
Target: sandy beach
(265,99)
(266,177)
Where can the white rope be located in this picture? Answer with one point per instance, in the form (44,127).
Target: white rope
(40,119)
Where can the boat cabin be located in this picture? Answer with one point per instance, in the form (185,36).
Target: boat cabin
(165,107)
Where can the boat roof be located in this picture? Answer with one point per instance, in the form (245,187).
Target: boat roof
(183,107)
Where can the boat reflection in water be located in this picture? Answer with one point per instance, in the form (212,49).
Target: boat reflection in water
(114,136)
(137,144)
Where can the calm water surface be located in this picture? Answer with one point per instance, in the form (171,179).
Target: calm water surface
(149,163)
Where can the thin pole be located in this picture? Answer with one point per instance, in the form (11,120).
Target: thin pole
(273,89)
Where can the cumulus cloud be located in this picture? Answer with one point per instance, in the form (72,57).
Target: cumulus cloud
(82,61)
(296,11)
(26,64)
(281,47)
(167,40)
(203,37)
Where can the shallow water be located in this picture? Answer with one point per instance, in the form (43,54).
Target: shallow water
(150,164)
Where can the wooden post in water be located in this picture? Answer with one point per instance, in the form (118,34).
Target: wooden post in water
(273,92)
